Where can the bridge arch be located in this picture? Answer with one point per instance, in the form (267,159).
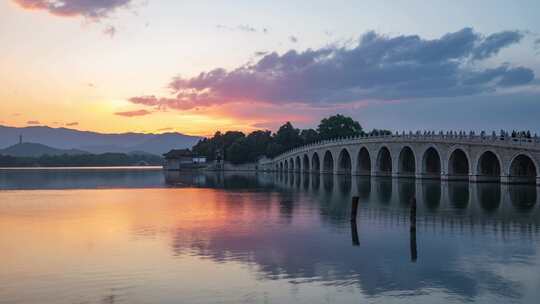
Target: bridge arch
(315,163)
(431,163)
(328,162)
(286,165)
(344,162)
(364,162)
(523,169)
(305,163)
(488,166)
(407,162)
(297,164)
(458,164)
(384,161)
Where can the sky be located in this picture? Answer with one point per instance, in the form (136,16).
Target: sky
(199,66)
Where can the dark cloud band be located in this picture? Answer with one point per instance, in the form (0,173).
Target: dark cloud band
(379,67)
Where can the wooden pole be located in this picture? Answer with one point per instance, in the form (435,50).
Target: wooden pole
(354,229)
(354,234)
(412,230)
(354,208)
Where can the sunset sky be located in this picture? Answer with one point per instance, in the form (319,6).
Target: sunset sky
(200,66)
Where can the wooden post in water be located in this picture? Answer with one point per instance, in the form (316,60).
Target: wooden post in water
(412,230)
(354,229)
(354,234)
(354,208)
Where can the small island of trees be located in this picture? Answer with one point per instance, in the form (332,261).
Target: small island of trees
(239,148)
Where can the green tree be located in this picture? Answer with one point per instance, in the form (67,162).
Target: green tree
(219,142)
(237,152)
(274,149)
(288,136)
(257,143)
(380,132)
(309,136)
(339,126)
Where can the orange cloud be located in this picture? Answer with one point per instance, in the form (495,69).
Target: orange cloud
(90,9)
(141,112)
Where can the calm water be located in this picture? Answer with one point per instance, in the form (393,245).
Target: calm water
(136,236)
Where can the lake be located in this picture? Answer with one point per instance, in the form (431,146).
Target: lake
(136,235)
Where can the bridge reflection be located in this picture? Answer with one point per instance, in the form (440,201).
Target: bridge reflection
(387,249)
(445,203)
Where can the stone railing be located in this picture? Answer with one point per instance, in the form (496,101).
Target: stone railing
(448,137)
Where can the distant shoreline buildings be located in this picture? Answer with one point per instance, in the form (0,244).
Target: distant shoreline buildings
(182,159)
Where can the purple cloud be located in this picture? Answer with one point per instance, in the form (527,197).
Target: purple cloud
(91,9)
(141,112)
(379,67)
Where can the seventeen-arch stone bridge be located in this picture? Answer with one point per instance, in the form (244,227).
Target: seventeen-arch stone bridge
(448,156)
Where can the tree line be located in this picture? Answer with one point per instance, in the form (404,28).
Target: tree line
(237,147)
(81,160)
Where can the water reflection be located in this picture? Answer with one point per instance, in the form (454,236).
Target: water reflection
(384,189)
(282,236)
(315,182)
(407,190)
(363,186)
(449,207)
(81,178)
(345,184)
(458,194)
(489,196)
(523,198)
(328,182)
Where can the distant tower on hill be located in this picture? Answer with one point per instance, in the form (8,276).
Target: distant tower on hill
(20,139)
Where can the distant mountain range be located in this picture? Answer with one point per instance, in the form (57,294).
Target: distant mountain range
(37,150)
(74,141)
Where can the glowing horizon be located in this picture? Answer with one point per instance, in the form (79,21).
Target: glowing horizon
(196,68)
